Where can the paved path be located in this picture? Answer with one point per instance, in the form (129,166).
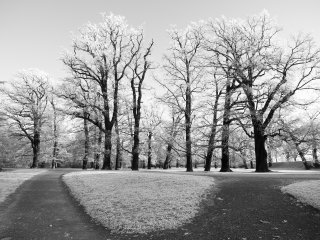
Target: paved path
(251,207)
(245,207)
(41,208)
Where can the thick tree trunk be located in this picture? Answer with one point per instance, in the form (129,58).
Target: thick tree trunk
(189,152)
(168,157)
(86,142)
(36,149)
(97,143)
(188,130)
(260,150)
(225,158)
(35,159)
(135,149)
(207,166)
(212,137)
(107,150)
(269,155)
(149,149)
(119,153)
(315,155)
(108,125)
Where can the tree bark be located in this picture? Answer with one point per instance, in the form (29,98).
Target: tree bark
(314,152)
(55,135)
(315,157)
(168,157)
(301,154)
(86,141)
(98,142)
(54,154)
(188,129)
(107,146)
(212,134)
(35,145)
(260,150)
(149,149)
(36,150)
(119,153)
(135,149)
(225,158)
(269,154)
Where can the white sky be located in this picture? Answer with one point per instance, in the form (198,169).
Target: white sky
(34,32)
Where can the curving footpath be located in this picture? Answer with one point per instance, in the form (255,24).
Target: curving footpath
(245,207)
(41,208)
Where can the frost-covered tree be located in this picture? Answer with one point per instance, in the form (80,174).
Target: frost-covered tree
(140,67)
(269,71)
(25,106)
(102,54)
(183,74)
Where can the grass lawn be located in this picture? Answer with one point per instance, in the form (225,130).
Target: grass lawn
(306,192)
(137,202)
(11,180)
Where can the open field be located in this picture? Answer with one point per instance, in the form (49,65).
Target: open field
(138,202)
(11,180)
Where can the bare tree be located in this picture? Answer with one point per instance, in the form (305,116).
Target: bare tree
(55,131)
(184,73)
(150,123)
(173,130)
(25,107)
(269,74)
(141,65)
(102,53)
(296,137)
(215,119)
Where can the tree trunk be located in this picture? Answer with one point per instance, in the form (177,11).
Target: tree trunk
(301,154)
(244,156)
(225,158)
(86,141)
(54,154)
(35,148)
(260,150)
(108,125)
(55,135)
(135,148)
(212,134)
(168,157)
(188,130)
(269,154)
(244,163)
(315,155)
(98,142)
(149,149)
(107,148)
(119,153)
(210,148)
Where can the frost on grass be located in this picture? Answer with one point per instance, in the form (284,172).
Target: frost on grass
(133,202)
(10,181)
(306,192)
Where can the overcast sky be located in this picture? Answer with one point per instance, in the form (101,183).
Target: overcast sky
(35,32)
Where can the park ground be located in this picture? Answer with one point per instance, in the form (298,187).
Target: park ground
(238,205)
